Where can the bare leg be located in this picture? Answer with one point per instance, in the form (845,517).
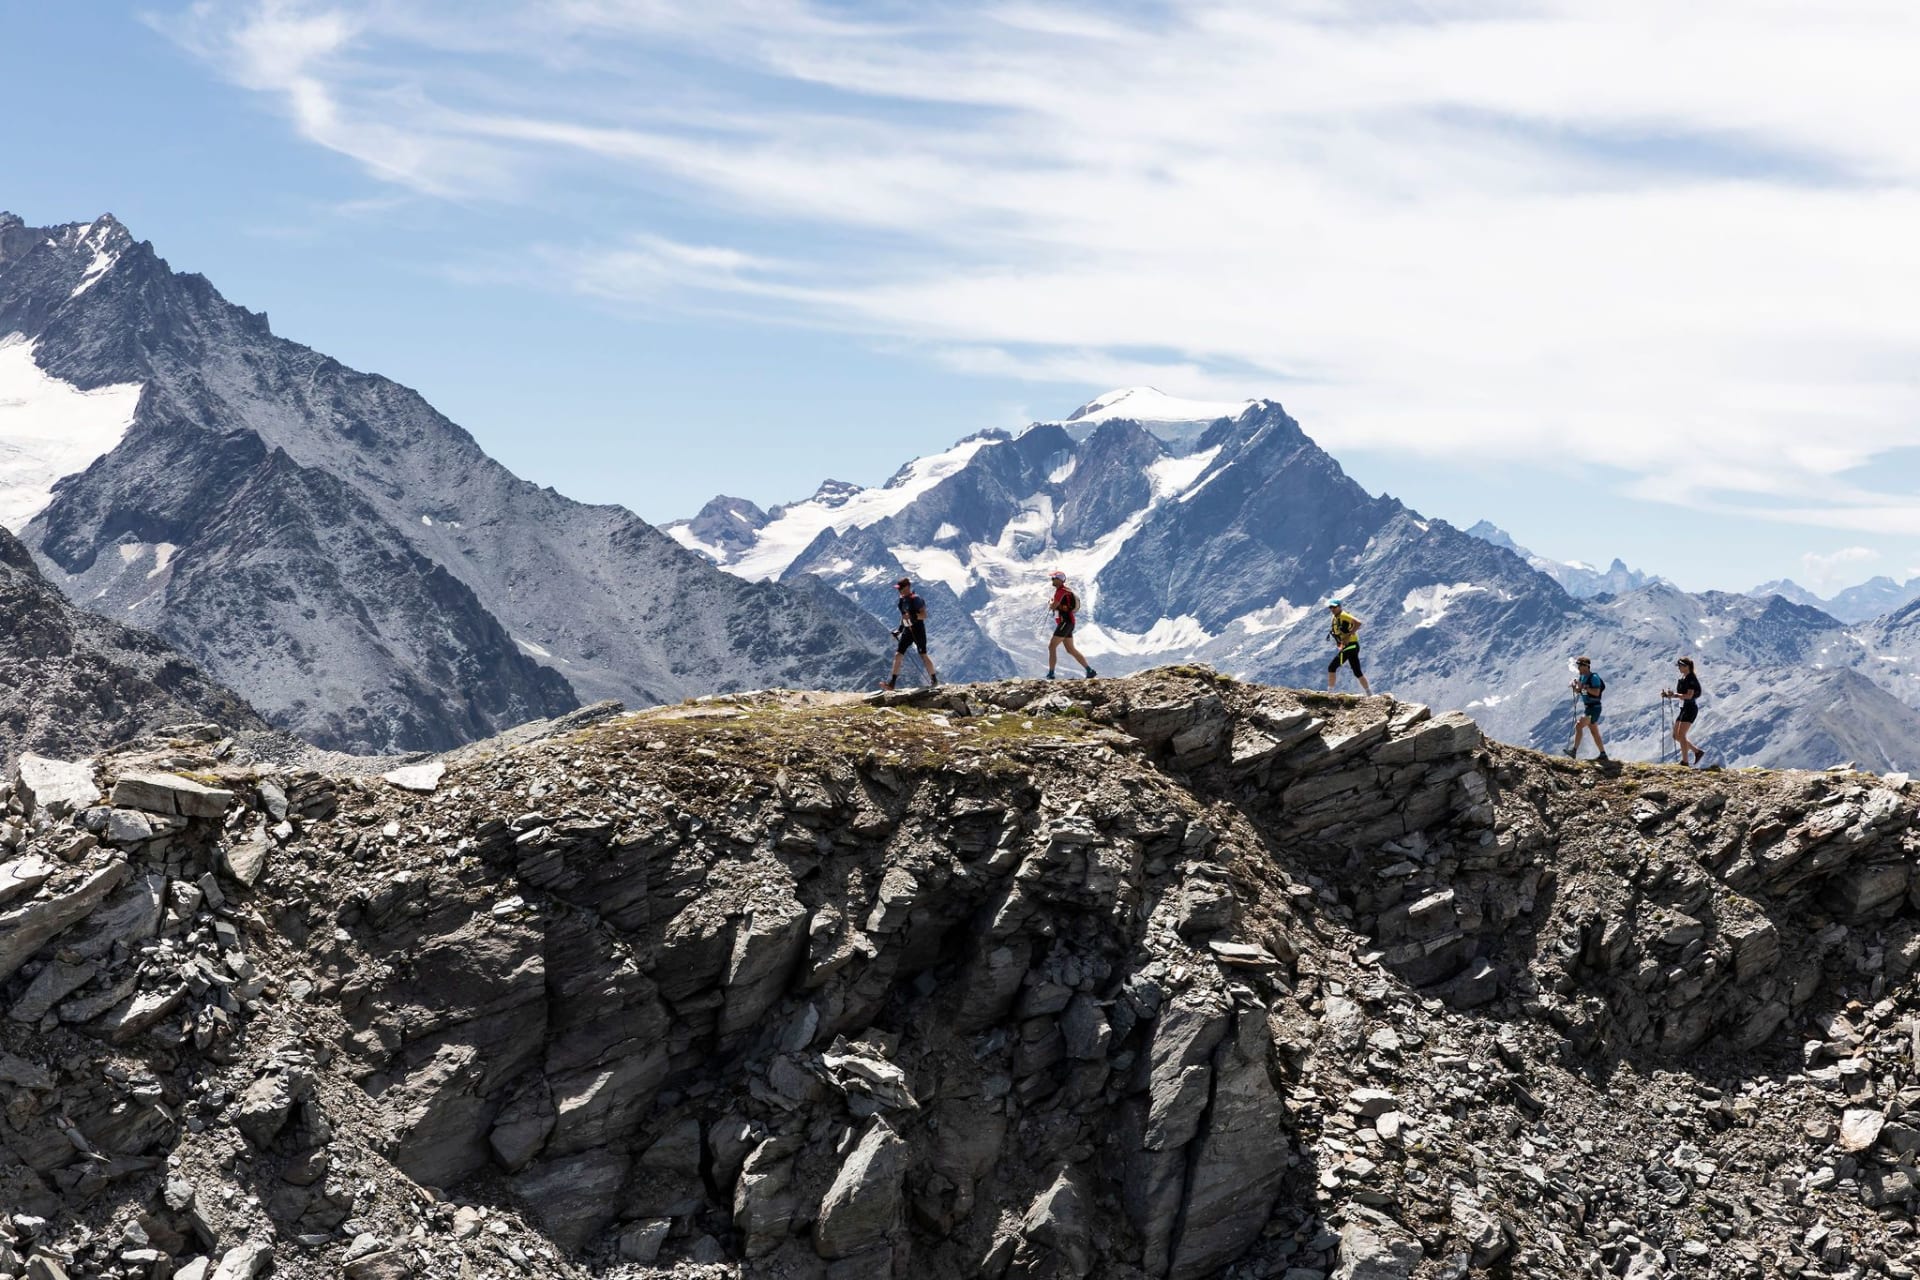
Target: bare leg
(1681,728)
(1598,745)
(1072,652)
(927,662)
(894,675)
(1053,651)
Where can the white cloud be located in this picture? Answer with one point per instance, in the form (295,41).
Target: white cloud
(1829,571)
(1670,241)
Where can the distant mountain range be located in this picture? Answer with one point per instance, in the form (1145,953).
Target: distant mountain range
(1582,581)
(1874,598)
(1215,533)
(324,542)
(324,545)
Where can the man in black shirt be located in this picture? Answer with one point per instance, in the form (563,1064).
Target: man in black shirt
(912,631)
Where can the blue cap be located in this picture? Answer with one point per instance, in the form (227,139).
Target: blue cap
(1333,604)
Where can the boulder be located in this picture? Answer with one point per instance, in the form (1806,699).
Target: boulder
(27,928)
(1443,737)
(1476,1228)
(170,793)
(246,859)
(1375,1247)
(523,1126)
(1860,1129)
(1181,1072)
(767,949)
(641,1242)
(139,1014)
(264,1106)
(1242,1156)
(54,787)
(417,777)
(244,1261)
(1056,1238)
(54,983)
(862,1207)
(575,1196)
(22,876)
(763,1199)
(128,826)
(130,916)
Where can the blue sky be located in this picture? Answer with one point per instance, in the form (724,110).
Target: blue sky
(1625,282)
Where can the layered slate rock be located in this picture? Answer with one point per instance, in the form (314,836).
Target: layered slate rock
(1137,978)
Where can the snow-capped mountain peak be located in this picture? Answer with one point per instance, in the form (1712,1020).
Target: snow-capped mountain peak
(1173,420)
(836,506)
(1150,406)
(326,543)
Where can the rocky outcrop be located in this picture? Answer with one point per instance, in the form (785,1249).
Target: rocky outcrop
(1160,977)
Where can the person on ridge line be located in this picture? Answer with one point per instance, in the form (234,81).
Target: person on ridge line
(911,631)
(1688,690)
(1589,687)
(1344,630)
(1065,605)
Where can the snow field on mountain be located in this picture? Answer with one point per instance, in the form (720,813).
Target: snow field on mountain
(1432,602)
(684,536)
(1175,475)
(1151,405)
(782,541)
(1281,615)
(1014,570)
(50,428)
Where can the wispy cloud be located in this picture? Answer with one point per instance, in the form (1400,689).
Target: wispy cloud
(1675,242)
(1830,570)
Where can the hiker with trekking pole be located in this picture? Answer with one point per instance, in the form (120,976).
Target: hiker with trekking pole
(1688,691)
(1588,688)
(910,634)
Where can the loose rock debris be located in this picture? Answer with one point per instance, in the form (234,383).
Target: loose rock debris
(1163,976)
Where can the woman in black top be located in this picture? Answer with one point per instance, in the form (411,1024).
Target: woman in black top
(1688,691)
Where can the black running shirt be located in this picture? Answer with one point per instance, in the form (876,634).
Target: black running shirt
(911,607)
(1688,689)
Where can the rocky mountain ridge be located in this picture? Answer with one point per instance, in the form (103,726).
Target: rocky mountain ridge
(1877,597)
(1219,540)
(325,542)
(1581,581)
(1162,976)
(72,682)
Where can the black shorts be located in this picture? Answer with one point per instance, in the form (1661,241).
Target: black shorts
(914,636)
(1063,628)
(1349,654)
(1688,714)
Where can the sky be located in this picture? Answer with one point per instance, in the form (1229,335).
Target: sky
(1627,279)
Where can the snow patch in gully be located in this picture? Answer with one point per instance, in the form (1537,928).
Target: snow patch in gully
(50,429)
